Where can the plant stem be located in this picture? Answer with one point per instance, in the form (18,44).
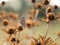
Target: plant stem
(46,30)
(54,40)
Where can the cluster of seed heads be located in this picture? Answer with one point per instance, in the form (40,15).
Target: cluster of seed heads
(11,26)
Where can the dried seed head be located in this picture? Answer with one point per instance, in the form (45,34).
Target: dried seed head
(13,15)
(45,2)
(11,31)
(33,12)
(33,1)
(38,5)
(31,17)
(58,34)
(3,3)
(49,10)
(55,7)
(5,22)
(51,16)
(13,40)
(18,41)
(2,14)
(20,28)
(29,23)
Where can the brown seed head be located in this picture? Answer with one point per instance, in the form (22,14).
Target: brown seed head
(2,14)
(51,16)
(45,2)
(55,7)
(3,3)
(33,1)
(38,5)
(20,28)
(49,9)
(58,34)
(5,22)
(13,40)
(11,31)
(33,12)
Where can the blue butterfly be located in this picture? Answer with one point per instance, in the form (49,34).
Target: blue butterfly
(23,21)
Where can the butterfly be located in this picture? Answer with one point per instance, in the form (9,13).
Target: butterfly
(23,21)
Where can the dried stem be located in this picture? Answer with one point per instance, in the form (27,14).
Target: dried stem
(54,40)
(46,30)
(36,14)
